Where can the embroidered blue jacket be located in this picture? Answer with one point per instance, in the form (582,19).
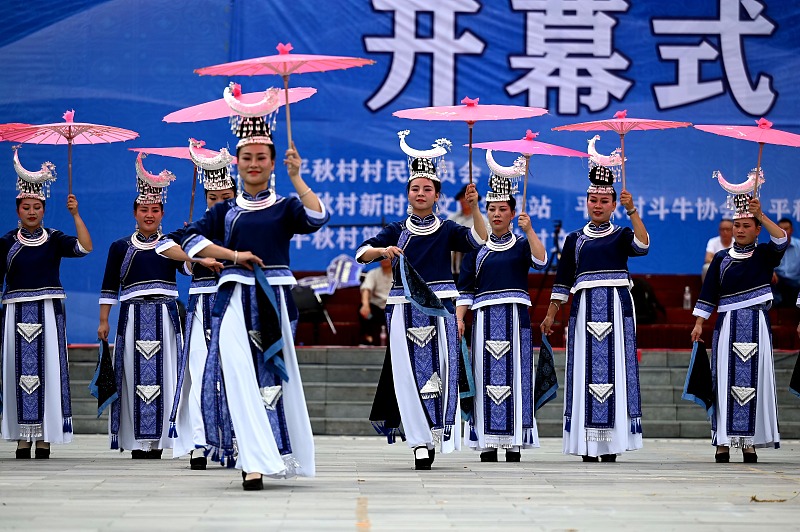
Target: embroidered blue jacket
(491,277)
(739,277)
(204,281)
(132,272)
(596,256)
(267,232)
(33,272)
(429,255)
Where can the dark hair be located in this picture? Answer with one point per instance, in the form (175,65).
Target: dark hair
(785,221)
(271,147)
(136,205)
(511,201)
(613,195)
(232,189)
(437,185)
(19,202)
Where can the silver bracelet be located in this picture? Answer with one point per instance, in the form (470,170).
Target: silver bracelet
(631,212)
(235,256)
(305,193)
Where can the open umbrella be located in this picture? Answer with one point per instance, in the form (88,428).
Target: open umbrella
(67,132)
(527,147)
(220,109)
(284,64)
(761,133)
(10,126)
(470,112)
(621,124)
(183,152)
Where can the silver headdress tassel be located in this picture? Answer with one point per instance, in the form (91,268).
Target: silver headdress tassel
(738,194)
(425,163)
(252,123)
(503,180)
(152,188)
(213,172)
(34,184)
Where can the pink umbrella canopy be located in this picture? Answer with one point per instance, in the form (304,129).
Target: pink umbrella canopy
(528,147)
(182,152)
(284,64)
(762,133)
(219,109)
(470,112)
(67,132)
(621,124)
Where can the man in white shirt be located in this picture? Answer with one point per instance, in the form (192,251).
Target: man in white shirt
(718,243)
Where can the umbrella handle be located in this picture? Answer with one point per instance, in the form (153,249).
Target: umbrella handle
(758,169)
(194,187)
(525,183)
(470,124)
(622,146)
(69,165)
(288,115)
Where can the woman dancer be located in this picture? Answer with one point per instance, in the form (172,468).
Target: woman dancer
(252,333)
(36,397)
(602,405)
(737,284)
(187,413)
(148,331)
(494,283)
(421,378)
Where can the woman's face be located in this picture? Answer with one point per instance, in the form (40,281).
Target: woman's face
(422,195)
(255,165)
(148,218)
(500,216)
(215,196)
(30,212)
(745,231)
(600,207)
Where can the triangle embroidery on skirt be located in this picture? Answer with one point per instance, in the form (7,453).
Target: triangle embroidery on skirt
(421,335)
(148,392)
(270,396)
(745,350)
(498,394)
(29,383)
(599,329)
(601,392)
(498,348)
(29,331)
(743,394)
(148,348)
(432,388)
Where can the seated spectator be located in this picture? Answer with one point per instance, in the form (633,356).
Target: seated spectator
(374,291)
(718,243)
(786,278)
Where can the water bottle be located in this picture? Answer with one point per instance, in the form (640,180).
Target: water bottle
(687,299)
(383,335)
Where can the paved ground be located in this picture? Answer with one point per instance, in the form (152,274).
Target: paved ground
(363,484)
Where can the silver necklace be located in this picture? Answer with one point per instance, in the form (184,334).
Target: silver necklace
(36,241)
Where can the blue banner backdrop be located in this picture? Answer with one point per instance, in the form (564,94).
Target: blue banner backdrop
(129,64)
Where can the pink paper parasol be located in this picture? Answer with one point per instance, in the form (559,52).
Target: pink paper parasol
(180,152)
(527,147)
(761,133)
(470,113)
(69,133)
(621,124)
(219,109)
(284,64)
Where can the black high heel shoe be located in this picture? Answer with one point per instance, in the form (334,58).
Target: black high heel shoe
(750,458)
(198,463)
(23,454)
(154,454)
(41,453)
(489,456)
(587,458)
(431,455)
(513,456)
(422,460)
(254,484)
(608,457)
(722,457)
